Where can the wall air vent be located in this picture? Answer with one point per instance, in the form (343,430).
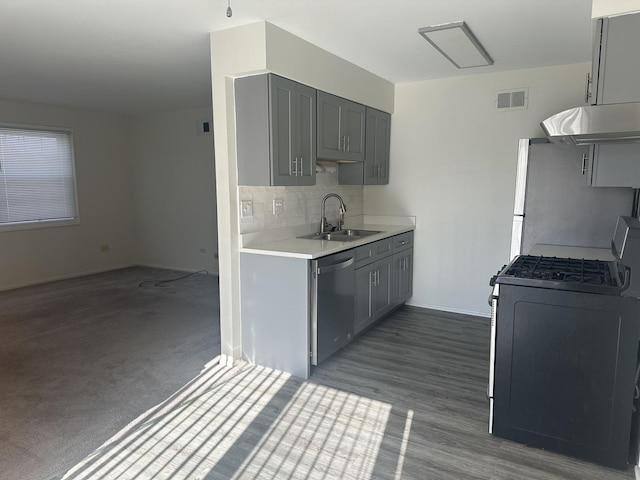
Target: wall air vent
(517,99)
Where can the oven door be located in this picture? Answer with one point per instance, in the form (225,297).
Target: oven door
(565,365)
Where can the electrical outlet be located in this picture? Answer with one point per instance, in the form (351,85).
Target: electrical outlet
(203,127)
(104,248)
(278,206)
(246,208)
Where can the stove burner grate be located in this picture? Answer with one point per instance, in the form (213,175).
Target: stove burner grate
(555,269)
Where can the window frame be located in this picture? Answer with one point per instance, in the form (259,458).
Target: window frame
(36,224)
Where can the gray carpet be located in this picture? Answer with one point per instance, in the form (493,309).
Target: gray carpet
(81,358)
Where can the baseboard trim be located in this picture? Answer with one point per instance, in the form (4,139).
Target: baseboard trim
(450,310)
(93,272)
(64,277)
(177,269)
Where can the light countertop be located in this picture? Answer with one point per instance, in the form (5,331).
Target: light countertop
(310,249)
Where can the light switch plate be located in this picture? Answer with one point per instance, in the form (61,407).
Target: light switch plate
(246,208)
(278,206)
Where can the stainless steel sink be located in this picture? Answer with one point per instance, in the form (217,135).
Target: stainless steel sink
(358,233)
(347,235)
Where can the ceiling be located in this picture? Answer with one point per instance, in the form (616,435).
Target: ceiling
(137,56)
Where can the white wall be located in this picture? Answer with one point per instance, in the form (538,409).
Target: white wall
(453,163)
(175,191)
(297,59)
(103,170)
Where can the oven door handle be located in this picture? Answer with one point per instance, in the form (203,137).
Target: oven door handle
(627,279)
(491,298)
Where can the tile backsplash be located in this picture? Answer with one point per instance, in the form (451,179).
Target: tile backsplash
(301,205)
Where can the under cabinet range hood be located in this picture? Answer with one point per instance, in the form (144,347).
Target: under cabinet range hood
(614,123)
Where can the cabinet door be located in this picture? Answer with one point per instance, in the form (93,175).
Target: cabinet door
(616,165)
(405,286)
(364,297)
(370,165)
(305,134)
(402,277)
(396,279)
(591,89)
(619,62)
(330,138)
(282,98)
(382,291)
(353,131)
(383,144)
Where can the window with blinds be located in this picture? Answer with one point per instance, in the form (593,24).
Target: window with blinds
(37,181)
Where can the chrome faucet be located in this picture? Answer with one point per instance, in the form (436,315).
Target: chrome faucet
(324,225)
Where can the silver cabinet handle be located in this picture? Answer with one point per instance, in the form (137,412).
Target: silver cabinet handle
(300,169)
(584,163)
(349,143)
(294,166)
(372,278)
(587,88)
(343,143)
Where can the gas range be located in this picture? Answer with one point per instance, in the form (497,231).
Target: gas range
(565,336)
(578,275)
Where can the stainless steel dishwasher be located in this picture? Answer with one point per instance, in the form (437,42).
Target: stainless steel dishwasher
(332,304)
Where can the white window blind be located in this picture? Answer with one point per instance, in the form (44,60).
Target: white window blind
(37,181)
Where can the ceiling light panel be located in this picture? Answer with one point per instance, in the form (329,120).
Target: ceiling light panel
(457,43)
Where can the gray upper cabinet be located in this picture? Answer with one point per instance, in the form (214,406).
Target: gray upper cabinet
(275,130)
(616,61)
(376,161)
(615,165)
(341,128)
(375,169)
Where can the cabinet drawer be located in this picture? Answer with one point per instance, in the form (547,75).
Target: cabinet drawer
(402,242)
(383,248)
(371,252)
(364,255)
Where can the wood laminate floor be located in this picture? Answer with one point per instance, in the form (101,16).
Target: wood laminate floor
(405,400)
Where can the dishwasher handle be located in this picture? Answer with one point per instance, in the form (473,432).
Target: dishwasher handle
(336,266)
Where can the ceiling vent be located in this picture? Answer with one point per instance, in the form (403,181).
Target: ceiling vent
(517,99)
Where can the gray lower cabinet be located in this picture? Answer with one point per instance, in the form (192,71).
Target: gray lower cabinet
(402,280)
(341,128)
(278,296)
(373,292)
(275,130)
(375,169)
(402,277)
(616,61)
(384,278)
(275,297)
